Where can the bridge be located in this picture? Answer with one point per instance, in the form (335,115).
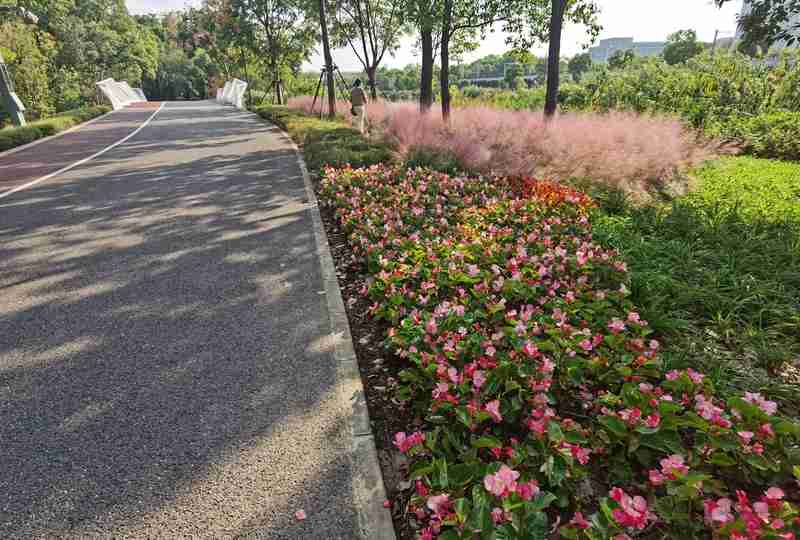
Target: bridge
(170,336)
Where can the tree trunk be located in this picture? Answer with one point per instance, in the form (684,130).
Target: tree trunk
(426,77)
(444,73)
(373,86)
(326,48)
(553,59)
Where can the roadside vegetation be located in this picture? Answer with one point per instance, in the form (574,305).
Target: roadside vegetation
(692,294)
(11,136)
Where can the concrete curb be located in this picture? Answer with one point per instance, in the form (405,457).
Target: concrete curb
(55,136)
(374,521)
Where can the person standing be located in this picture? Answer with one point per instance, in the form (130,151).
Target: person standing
(358,98)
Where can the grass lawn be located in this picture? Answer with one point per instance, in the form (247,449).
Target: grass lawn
(326,142)
(718,271)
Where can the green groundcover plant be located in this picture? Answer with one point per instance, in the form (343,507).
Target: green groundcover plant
(547,409)
(12,137)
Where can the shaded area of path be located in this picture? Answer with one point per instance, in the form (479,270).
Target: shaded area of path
(165,351)
(35,161)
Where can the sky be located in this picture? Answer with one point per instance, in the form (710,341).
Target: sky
(644,20)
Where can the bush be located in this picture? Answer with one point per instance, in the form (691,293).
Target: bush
(325,142)
(12,137)
(541,386)
(774,135)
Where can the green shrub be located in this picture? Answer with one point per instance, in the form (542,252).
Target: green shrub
(433,159)
(774,135)
(12,137)
(326,142)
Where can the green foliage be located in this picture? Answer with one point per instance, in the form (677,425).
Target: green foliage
(717,271)
(771,135)
(11,137)
(326,142)
(621,59)
(578,65)
(681,46)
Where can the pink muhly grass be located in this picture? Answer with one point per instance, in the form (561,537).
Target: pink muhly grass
(626,150)
(304,103)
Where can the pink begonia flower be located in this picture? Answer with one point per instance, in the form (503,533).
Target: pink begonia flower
(616,326)
(453,375)
(632,511)
(769,407)
(478,379)
(498,516)
(473,270)
(746,436)
(502,483)
(300,515)
(586,345)
(528,490)
(439,504)
(422,489)
(652,421)
(656,478)
(530,349)
(440,392)
(490,351)
(493,408)
(718,511)
(578,521)
(674,466)
(431,326)
(762,510)
(695,376)
(673,375)
(404,442)
(427,534)
(774,493)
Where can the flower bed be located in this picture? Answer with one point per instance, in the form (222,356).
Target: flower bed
(546,406)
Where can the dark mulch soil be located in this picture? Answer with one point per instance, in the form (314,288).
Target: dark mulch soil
(379,369)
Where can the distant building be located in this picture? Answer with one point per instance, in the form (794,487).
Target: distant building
(607,47)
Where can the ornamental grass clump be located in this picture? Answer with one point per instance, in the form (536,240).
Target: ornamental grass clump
(638,153)
(547,408)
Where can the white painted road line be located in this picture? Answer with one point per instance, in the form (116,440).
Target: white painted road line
(84,160)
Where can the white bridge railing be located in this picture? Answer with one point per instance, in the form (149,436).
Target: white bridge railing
(232,93)
(120,94)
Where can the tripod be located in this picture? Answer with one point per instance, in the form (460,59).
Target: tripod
(322,85)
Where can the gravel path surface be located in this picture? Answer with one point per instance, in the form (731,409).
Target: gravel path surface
(165,348)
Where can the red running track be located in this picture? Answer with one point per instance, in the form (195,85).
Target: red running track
(28,164)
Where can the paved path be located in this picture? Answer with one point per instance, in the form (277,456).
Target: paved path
(165,359)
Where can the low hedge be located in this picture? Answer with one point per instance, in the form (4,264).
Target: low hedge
(12,137)
(772,135)
(326,142)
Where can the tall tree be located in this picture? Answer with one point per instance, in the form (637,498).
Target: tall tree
(463,21)
(767,22)
(326,49)
(545,22)
(426,16)
(282,32)
(371,28)
(681,46)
